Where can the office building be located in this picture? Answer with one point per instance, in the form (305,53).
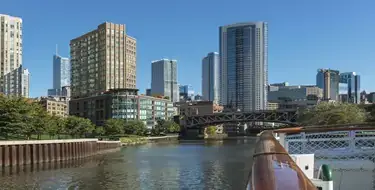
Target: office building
(61,75)
(122,104)
(148,92)
(102,59)
(243,66)
(12,75)
(57,106)
(186,92)
(16,82)
(295,97)
(328,80)
(350,87)
(164,79)
(211,77)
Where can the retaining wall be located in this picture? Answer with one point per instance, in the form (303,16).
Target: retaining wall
(15,153)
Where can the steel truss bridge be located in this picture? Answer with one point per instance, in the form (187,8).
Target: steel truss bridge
(282,117)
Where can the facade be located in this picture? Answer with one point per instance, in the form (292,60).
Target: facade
(12,74)
(148,92)
(295,97)
(211,77)
(186,92)
(371,97)
(61,75)
(101,60)
(16,82)
(122,104)
(350,87)
(272,105)
(244,66)
(328,80)
(55,105)
(198,108)
(164,79)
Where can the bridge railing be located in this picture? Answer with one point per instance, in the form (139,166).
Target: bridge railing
(273,168)
(350,152)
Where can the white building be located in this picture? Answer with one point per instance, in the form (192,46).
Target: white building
(211,77)
(14,80)
(244,65)
(164,79)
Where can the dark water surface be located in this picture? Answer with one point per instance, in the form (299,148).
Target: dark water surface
(186,165)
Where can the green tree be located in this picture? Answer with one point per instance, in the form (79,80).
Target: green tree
(78,127)
(99,131)
(135,127)
(211,130)
(172,127)
(114,127)
(327,113)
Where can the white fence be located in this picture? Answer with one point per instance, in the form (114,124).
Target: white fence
(351,155)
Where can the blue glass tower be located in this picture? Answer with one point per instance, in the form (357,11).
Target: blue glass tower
(61,75)
(352,82)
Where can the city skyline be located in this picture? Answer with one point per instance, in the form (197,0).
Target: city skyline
(300,57)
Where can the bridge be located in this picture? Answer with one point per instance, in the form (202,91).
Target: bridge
(272,116)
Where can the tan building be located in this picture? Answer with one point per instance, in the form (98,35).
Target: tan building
(198,108)
(55,106)
(14,80)
(272,105)
(102,59)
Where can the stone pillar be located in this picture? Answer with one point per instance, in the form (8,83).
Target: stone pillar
(62,151)
(34,153)
(13,155)
(20,156)
(1,155)
(40,153)
(27,153)
(57,151)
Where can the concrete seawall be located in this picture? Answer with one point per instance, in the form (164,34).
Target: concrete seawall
(16,153)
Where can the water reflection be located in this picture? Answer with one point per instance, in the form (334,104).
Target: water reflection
(188,165)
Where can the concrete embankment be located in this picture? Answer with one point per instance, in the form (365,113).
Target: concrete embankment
(145,140)
(16,153)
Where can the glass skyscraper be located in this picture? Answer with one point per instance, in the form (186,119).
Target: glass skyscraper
(186,92)
(211,77)
(61,75)
(244,66)
(328,80)
(350,83)
(164,79)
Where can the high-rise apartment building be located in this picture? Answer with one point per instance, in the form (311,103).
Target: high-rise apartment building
(350,87)
(244,65)
(211,77)
(328,80)
(164,79)
(12,75)
(61,75)
(101,60)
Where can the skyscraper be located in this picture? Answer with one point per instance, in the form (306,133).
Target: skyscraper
(164,79)
(186,92)
(328,80)
(351,84)
(61,75)
(244,65)
(211,77)
(12,72)
(102,59)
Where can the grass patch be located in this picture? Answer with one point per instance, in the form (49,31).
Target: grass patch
(133,139)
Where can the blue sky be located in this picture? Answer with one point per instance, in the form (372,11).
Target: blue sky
(304,35)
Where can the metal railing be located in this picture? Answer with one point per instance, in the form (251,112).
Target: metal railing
(273,168)
(350,152)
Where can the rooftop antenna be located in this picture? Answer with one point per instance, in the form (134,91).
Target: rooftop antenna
(56,49)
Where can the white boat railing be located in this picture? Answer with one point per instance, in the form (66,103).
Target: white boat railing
(350,154)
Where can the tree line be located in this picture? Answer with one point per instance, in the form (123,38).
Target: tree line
(328,113)
(22,118)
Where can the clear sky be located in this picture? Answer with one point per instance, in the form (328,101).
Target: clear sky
(304,35)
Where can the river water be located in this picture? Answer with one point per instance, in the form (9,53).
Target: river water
(185,165)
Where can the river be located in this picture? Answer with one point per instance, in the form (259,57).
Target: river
(184,165)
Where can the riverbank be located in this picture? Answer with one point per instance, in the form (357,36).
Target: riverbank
(138,140)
